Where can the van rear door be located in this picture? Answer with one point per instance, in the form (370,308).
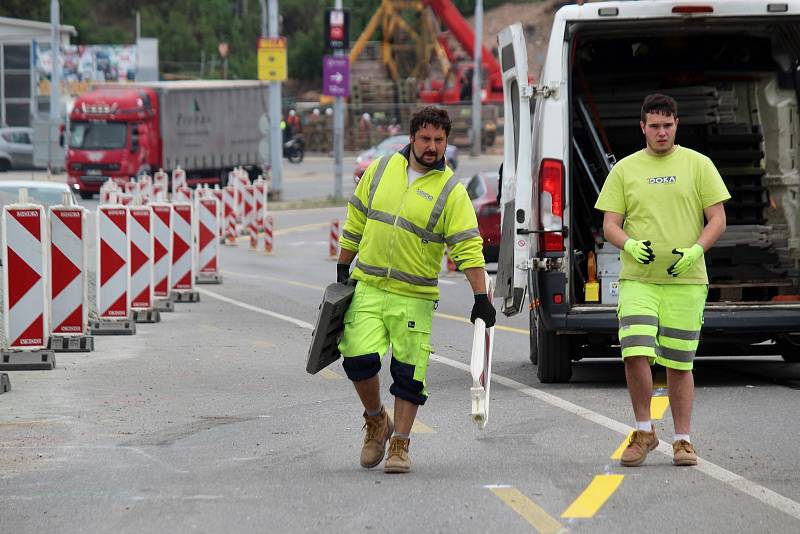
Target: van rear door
(517,193)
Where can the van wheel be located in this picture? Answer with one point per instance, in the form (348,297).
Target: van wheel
(552,353)
(789,349)
(5,165)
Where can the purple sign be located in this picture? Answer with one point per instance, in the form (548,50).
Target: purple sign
(336,76)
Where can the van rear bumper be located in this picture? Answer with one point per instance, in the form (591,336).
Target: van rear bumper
(733,319)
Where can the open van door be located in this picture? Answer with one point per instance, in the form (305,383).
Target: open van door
(517,194)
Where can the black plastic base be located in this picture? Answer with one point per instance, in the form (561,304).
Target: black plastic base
(5,383)
(185,296)
(164,305)
(71,343)
(125,327)
(208,278)
(28,360)
(146,316)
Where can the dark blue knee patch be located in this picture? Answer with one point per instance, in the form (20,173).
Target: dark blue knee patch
(404,385)
(360,368)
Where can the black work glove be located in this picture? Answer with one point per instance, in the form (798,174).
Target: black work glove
(342,273)
(483,309)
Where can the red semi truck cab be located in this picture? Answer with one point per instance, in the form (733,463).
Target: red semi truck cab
(113,134)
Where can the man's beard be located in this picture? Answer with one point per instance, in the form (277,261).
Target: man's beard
(419,160)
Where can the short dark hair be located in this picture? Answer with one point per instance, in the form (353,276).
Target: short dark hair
(431,116)
(661,104)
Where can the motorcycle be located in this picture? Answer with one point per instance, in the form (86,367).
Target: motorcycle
(294,149)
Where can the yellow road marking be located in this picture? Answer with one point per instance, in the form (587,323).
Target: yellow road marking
(330,375)
(465,320)
(594,496)
(417,428)
(267,277)
(290,230)
(618,453)
(527,509)
(658,405)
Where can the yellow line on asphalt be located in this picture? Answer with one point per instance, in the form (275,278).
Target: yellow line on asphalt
(290,230)
(658,405)
(465,320)
(594,496)
(330,375)
(617,454)
(417,428)
(527,509)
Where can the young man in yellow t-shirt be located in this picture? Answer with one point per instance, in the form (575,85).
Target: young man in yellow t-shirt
(655,201)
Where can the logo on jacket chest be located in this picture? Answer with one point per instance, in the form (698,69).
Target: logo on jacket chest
(662,180)
(425,195)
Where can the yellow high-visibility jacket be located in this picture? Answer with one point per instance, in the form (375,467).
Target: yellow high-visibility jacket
(399,231)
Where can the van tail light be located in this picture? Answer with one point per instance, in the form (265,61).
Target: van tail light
(692,9)
(551,205)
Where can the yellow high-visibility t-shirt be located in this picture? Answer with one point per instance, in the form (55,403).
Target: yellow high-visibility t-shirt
(662,200)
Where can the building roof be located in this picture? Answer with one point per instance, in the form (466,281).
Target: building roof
(36,25)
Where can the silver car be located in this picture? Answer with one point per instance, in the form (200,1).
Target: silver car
(16,148)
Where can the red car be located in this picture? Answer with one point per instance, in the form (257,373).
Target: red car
(483,189)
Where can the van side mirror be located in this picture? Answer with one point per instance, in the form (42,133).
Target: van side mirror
(135,139)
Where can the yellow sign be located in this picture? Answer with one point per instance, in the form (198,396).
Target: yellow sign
(272,59)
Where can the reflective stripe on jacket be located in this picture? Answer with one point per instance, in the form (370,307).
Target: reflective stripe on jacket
(400,231)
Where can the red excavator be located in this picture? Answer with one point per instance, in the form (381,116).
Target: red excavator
(457,84)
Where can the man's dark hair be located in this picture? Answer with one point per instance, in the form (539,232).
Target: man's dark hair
(432,116)
(661,104)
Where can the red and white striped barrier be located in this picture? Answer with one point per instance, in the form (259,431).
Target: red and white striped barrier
(178,180)
(113,278)
(25,303)
(162,260)
(208,257)
(145,189)
(250,215)
(140,225)
(160,186)
(132,189)
(108,192)
(68,262)
(268,230)
(261,203)
(229,213)
(182,274)
(125,199)
(333,241)
(182,194)
(240,181)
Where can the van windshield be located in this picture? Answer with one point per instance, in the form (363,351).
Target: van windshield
(98,135)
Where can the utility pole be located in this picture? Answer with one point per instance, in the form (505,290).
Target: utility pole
(138,25)
(55,80)
(476,81)
(338,132)
(276,137)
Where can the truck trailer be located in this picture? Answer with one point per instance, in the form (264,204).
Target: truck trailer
(119,131)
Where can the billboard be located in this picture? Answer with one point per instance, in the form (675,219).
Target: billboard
(83,64)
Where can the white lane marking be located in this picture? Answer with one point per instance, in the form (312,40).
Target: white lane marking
(298,322)
(738,482)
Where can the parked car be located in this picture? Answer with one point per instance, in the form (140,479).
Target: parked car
(390,145)
(16,148)
(482,190)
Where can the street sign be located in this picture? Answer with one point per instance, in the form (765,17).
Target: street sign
(337,29)
(336,76)
(272,59)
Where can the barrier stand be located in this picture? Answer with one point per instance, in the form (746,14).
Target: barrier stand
(25,304)
(113,276)
(68,284)
(333,241)
(178,180)
(268,230)
(140,224)
(5,383)
(182,275)
(162,262)
(229,213)
(208,258)
(160,186)
(250,215)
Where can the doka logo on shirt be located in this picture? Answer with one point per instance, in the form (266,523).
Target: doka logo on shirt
(425,195)
(662,180)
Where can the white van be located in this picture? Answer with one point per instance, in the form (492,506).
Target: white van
(734,68)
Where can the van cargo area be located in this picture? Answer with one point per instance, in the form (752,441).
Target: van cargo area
(736,85)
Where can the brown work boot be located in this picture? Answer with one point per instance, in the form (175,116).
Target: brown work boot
(397,460)
(640,444)
(378,430)
(683,453)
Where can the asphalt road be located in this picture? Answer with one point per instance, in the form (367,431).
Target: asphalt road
(208,422)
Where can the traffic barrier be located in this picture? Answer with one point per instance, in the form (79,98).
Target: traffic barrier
(217,193)
(182,275)
(68,284)
(25,304)
(268,230)
(229,213)
(140,224)
(162,261)
(250,215)
(182,194)
(132,188)
(178,180)
(145,189)
(261,203)
(125,199)
(240,181)
(113,275)
(333,241)
(208,258)
(160,186)
(108,192)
